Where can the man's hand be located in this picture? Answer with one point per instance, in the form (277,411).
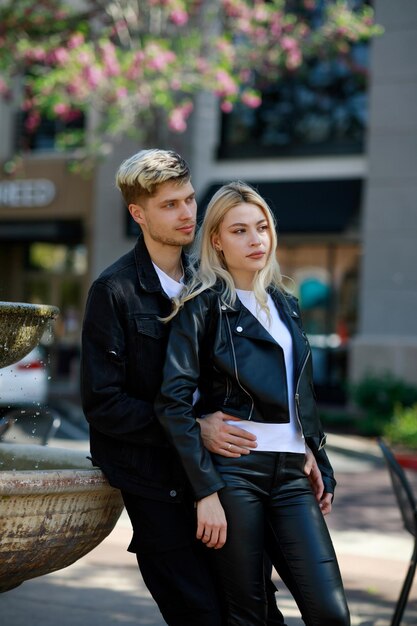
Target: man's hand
(311,469)
(225,439)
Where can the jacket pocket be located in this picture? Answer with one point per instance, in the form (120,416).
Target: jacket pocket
(151,327)
(147,349)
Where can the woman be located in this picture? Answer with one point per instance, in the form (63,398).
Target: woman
(237,337)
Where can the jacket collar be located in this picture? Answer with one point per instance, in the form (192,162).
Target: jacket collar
(243,323)
(147,276)
(281,301)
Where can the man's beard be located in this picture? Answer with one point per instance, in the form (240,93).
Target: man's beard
(179,242)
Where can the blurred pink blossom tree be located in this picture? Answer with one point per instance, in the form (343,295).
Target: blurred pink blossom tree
(133,66)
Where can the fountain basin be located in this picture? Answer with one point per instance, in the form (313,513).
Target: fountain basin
(22,326)
(52,515)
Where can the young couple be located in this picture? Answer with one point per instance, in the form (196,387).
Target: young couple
(196,382)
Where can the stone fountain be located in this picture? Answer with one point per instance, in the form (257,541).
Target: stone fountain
(54,506)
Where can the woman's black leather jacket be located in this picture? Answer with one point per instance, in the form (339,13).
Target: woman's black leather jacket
(239,369)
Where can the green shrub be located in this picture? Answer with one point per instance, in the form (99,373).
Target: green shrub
(402,429)
(377,397)
(338,420)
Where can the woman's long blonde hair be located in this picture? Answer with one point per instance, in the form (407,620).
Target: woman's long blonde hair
(208,265)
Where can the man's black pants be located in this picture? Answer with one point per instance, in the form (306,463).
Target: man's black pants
(174,565)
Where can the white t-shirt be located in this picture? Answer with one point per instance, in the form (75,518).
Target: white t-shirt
(171,287)
(274,437)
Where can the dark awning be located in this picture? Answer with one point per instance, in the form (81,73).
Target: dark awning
(52,231)
(307,206)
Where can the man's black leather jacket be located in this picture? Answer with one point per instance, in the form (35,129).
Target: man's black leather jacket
(123,353)
(239,369)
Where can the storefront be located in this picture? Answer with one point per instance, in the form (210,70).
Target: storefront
(45,212)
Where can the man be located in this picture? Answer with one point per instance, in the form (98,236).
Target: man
(123,352)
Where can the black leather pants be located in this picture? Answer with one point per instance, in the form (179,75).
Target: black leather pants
(268,501)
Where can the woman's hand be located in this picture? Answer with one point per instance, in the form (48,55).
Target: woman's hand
(311,470)
(325,503)
(211,522)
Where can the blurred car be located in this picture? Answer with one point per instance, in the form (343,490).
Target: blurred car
(25,383)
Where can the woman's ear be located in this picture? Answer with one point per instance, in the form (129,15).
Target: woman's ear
(216,243)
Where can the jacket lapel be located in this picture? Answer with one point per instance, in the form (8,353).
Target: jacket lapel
(291,317)
(244,324)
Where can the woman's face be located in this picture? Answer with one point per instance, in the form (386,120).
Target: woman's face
(244,238)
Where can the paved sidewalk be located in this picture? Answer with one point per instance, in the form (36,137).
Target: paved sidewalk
(372,545)
(105,589)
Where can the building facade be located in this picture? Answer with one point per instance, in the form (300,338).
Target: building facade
(341,181)
(386,340)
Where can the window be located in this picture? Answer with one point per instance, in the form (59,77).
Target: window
(321,109)
(46,137)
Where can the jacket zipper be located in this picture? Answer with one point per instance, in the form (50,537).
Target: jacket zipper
(297,405)
(297,395)
(228,392)
(235,367)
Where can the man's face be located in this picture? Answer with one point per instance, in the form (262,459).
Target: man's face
(168,217)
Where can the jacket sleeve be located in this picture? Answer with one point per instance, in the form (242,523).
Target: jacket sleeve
(174,404)
(324,465)
(105,402)
(320,455)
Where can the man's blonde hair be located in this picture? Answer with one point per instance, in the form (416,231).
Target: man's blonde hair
(141,174)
